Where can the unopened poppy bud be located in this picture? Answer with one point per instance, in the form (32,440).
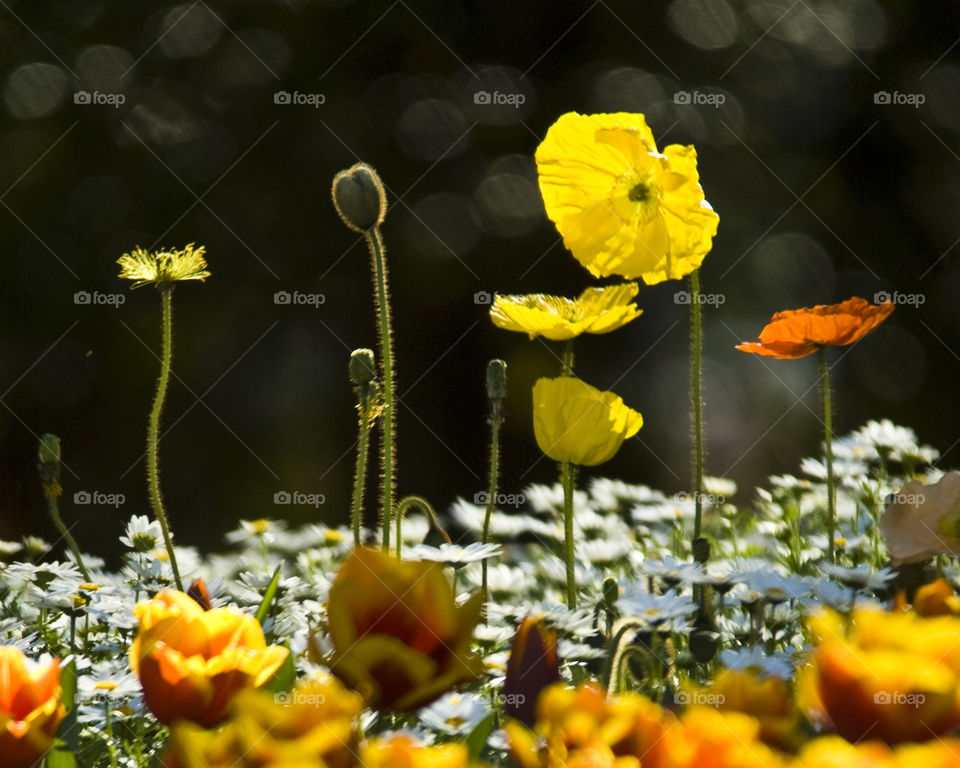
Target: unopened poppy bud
(496,379)
(611,592)
(359,197)
(49,459)
(363,367)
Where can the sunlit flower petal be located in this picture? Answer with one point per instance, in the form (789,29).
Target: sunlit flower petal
(621,206)
(800,332)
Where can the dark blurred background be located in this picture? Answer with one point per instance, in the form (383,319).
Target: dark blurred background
(828,133)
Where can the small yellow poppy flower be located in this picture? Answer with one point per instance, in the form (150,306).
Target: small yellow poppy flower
(597,310)
(162,267)
(622,207)
(578,423)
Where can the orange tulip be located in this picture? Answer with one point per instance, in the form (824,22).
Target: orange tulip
(30,708)
(398,636)
(800,332)
(191,662)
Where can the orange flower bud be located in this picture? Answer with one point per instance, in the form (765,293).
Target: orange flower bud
(191,662)
(30,708)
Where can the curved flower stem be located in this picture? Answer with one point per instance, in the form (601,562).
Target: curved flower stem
(417,501)
(496,419)
(385,333)
(52,492)
(153,428)
(696,398)
(828,450)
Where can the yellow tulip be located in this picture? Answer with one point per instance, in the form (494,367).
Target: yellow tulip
(622,207)
(578,423)
(597,310)
(191,662)
(30,708)
(398,636)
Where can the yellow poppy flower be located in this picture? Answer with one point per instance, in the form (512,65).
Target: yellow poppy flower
(575,422)
(622,207)
(597,310)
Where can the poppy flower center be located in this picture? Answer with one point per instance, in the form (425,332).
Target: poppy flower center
(640,193)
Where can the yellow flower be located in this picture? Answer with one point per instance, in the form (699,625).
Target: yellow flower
(834,752)
(890,676)
(723,740)
(598,310)
(621,206)
(575,422)
(30,707)
(163,267)
(191,662)
(398,636)
(312,725)
(401,752)
(582,727)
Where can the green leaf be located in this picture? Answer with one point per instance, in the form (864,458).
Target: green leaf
(285,677)
(69,730)
(477,738)
(268,596)
(60,758)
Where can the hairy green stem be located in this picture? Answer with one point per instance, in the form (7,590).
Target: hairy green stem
(385,333)
(567,478)
(493,480)
(54,510)
(828,450)
(567,362)
(696,398)
(360,474)
(153,429)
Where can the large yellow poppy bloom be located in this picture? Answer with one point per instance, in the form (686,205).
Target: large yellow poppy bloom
(622,207)
(597,310)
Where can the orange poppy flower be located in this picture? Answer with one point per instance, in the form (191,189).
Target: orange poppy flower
(30,708)
(800,332)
